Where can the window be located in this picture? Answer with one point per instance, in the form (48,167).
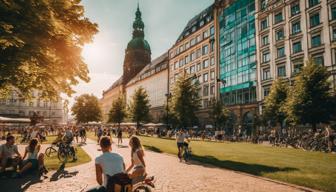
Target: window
(266,74)
(192,42)
(181,48)
(31,104)
(212,30)
(193,56)
(176,65)
(316,40)
(333,12)
(266,57)
(297,68)
(198,68)
(265,40)
(263,4)
(278,18)
(187,58)
(199,38)
(212,75)
(295,9)
(296,28)
(205,90)
(205,49)
(201,23)
(281,71)
(187,45)
(281,52)
(297,47)
(319,60)
(181,63)
(264,24)
(266,91)
(192,69)
(314,19)
(313,2)
(205,103)
(212,61)
(212,46)
(279,35)
(205,34)
(334,33)
(205,63)
(212,89)
(205,77)
(198,53)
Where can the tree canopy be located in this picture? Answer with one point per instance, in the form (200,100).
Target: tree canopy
(185,100)
(219,114)
(139,106)
(310,100)
(274,110)
(86,109)
(40,46)
(118,112)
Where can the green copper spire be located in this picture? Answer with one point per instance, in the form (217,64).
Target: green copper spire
(138,24)
(138,41)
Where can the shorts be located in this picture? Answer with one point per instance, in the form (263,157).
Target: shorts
(180,145)
(9,161)
(34,163)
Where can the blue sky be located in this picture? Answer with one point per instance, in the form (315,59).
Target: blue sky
(164,21)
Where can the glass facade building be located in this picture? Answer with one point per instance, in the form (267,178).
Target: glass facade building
(237,53)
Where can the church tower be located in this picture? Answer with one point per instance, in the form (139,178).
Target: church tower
(138,52)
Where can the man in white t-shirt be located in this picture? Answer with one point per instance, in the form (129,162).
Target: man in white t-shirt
(107,164)
(180,137)
(9,154)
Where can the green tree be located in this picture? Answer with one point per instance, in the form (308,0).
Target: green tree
(274,107)
(117,113)
(185,100)
(40,46)
(310,100)
(139,107)
(219,114)
(86,109)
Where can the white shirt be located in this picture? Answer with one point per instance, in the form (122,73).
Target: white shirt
(33,134)
(111,163)
(136,160)
(180,137)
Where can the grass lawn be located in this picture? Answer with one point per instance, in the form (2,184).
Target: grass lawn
(311,169)
(52,163)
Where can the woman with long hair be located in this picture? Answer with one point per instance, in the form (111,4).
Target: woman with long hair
(137,159)
(33,161)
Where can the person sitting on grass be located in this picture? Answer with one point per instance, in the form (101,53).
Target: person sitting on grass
(7,154)
(107,165)
(33,161)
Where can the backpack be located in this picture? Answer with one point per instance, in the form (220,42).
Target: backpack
(119,183)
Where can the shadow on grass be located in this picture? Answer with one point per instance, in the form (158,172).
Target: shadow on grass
(255,169)
(152,148)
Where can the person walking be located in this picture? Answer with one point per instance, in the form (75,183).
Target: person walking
(180,137)
(119,135)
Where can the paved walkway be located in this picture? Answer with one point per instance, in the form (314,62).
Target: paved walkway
(170,174)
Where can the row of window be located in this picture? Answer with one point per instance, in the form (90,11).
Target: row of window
(296,48)
(281,70)
(23,113)
(295,7)
(195,55)
(193,41)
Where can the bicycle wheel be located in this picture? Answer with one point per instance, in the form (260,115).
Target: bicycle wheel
(62,156)
(50,152)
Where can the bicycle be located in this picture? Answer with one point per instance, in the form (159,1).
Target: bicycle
(186,153)
(52,150)
(66,153)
